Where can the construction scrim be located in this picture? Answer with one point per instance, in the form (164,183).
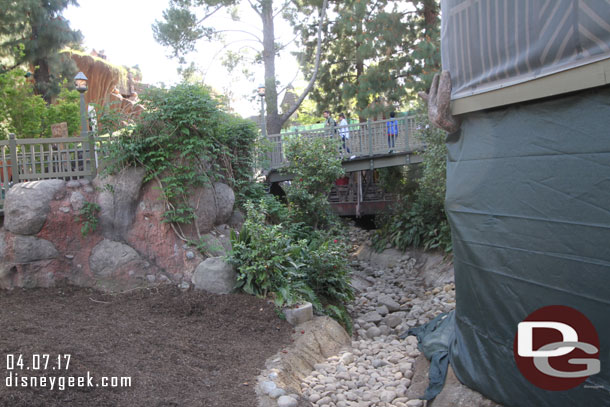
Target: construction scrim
(528,198)
(490,44)
(528,190)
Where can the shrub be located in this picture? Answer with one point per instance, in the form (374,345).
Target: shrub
(315,165)
(292,263)
(419,219)
(296,253)
(27,115)
(88,216)
(184,140)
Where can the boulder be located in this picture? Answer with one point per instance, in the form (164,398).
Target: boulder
(299,314)
(236,220)
(29,249)
(214,275)
(225,199)
(27,205)
(108,256)
(203,202)
(118,201)
(215,245)
(213,205)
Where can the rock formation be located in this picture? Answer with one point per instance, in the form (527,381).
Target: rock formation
(108,83)
(41,243)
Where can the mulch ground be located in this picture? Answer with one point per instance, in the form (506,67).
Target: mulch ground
(179,348)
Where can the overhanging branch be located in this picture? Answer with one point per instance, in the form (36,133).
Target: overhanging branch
(301,98)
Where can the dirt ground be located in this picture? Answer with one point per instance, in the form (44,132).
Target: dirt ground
(179,348)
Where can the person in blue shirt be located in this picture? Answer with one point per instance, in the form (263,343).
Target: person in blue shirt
(392,130)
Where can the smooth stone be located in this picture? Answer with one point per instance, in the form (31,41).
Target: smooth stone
(392,320)
(287,401)
(275,393)
(314,397)
(347,358)
(267,387)
(324,400)
(373,332)
(388,302)
(383,310)
(372,316)
(387,396)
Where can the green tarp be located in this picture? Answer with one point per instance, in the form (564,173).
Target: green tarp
(528,198)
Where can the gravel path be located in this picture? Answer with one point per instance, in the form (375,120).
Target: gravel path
(378,369)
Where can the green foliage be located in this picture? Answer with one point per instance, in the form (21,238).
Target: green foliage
(292,262)
(419,220)
(184,140)
(27,115)
(33,32)
(88,217)
(372,52)
(21,112)
(65,108)
(315,164)
(296,252)
(186,22)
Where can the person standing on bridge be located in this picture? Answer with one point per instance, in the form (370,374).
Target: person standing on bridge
(331,124)
(392,130)
(344,132)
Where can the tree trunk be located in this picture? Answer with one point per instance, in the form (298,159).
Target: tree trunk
(41,73)
(274,124)
(42,79)
(274,120)
(430,13)
(360,104)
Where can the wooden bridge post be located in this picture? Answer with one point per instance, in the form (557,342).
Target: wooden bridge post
(92,162)
(12,145)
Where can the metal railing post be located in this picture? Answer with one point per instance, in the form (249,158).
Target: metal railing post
(370,136)
(12,145)
(406,121)
(360,128)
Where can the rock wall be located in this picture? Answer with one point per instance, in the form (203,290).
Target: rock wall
(41,243)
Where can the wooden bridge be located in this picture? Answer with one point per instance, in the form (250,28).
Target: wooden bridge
(359,192)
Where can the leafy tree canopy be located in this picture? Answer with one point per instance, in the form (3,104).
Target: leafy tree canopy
(375,54)
(33,32)
(187,21)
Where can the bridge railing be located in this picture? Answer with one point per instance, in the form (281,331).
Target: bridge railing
(363,139)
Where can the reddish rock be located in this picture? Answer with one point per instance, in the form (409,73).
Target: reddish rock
(156,241)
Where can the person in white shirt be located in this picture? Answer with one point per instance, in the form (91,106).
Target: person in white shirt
(344,132)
